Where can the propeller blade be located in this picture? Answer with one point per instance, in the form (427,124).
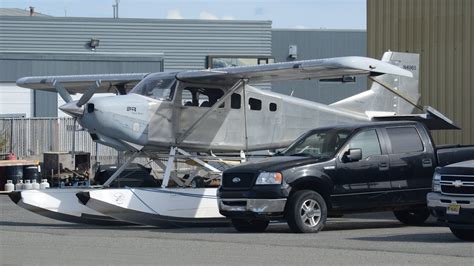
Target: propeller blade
(88,94)
(62,91)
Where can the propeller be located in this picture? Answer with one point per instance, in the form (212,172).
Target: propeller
(74,108)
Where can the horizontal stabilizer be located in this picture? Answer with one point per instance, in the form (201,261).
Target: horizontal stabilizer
(432,118)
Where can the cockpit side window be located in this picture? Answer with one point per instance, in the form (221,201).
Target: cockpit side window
(201,97)
(158,88)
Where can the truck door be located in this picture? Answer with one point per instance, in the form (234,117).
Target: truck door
(361,184)
(411,164)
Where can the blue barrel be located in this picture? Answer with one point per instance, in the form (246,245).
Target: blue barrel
(30,172)
(14,173)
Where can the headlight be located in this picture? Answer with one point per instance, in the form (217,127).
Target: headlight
(436,182)
(266,178)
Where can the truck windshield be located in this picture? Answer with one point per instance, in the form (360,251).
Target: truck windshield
(320,143)
(156,86)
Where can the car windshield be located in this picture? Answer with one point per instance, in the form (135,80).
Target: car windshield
(318,143)
(156,86)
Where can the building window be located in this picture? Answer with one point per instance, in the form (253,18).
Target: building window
(273,107)
(255,104)
(235,101)
(216,61)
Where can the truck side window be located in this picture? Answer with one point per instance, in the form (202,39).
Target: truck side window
(404,139)
(367,141)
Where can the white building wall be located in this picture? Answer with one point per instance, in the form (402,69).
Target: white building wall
(15,100)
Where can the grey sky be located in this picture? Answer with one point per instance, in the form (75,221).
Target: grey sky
(330,14)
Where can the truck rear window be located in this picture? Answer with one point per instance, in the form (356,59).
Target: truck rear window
(404,139)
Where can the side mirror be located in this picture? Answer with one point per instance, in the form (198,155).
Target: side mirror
(352,155)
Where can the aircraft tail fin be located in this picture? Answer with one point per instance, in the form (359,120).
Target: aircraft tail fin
(381,100)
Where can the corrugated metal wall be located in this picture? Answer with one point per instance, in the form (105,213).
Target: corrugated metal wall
(442,31)
(312,44)
(185,43)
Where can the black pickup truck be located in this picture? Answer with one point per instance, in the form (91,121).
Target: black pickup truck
(335,170)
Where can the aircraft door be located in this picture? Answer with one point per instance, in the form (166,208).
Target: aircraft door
(195,102)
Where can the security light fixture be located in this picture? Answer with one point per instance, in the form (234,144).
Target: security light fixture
(94,43)
(293,51)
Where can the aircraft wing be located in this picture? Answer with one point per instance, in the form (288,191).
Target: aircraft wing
(79,83)
(305,69)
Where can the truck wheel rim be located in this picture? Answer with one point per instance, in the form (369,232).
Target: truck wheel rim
(310,212)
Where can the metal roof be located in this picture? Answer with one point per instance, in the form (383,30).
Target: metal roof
(20,12)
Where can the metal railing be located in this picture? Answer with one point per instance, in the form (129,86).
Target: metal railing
(29,138)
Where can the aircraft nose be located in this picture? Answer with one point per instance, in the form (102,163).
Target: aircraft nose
(72,109)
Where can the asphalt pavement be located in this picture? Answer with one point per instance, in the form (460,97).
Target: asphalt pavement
(369,239)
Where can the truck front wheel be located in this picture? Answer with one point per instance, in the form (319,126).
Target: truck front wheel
(412,217)
(463,234)
(250,226)
(306,212)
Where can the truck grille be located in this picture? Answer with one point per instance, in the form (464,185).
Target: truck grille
(457,185)
(245,180)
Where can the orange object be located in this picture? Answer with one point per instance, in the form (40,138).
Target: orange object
(278,178)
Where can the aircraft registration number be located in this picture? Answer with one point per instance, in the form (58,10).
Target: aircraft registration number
(453,209)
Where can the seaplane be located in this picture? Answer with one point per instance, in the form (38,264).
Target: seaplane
(198,115)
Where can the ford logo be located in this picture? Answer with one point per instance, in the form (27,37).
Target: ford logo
(235,180)
(457,183)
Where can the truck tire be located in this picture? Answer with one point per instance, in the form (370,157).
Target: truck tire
(463,234)
(412,217)
(250,226)
(306,212)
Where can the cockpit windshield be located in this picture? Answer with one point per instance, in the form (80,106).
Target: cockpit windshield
(319,143)
(157,86)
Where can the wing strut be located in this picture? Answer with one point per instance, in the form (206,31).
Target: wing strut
(190,130)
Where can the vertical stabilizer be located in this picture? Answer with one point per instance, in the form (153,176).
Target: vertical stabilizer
(379,99)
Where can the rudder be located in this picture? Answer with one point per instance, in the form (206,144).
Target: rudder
(380,100)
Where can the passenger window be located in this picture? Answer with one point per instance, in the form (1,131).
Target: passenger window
(201,97)
(235,101)
(273,107)
(367,141)
(255,104)
(404,139)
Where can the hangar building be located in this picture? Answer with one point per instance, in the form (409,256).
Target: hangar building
(442,32)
